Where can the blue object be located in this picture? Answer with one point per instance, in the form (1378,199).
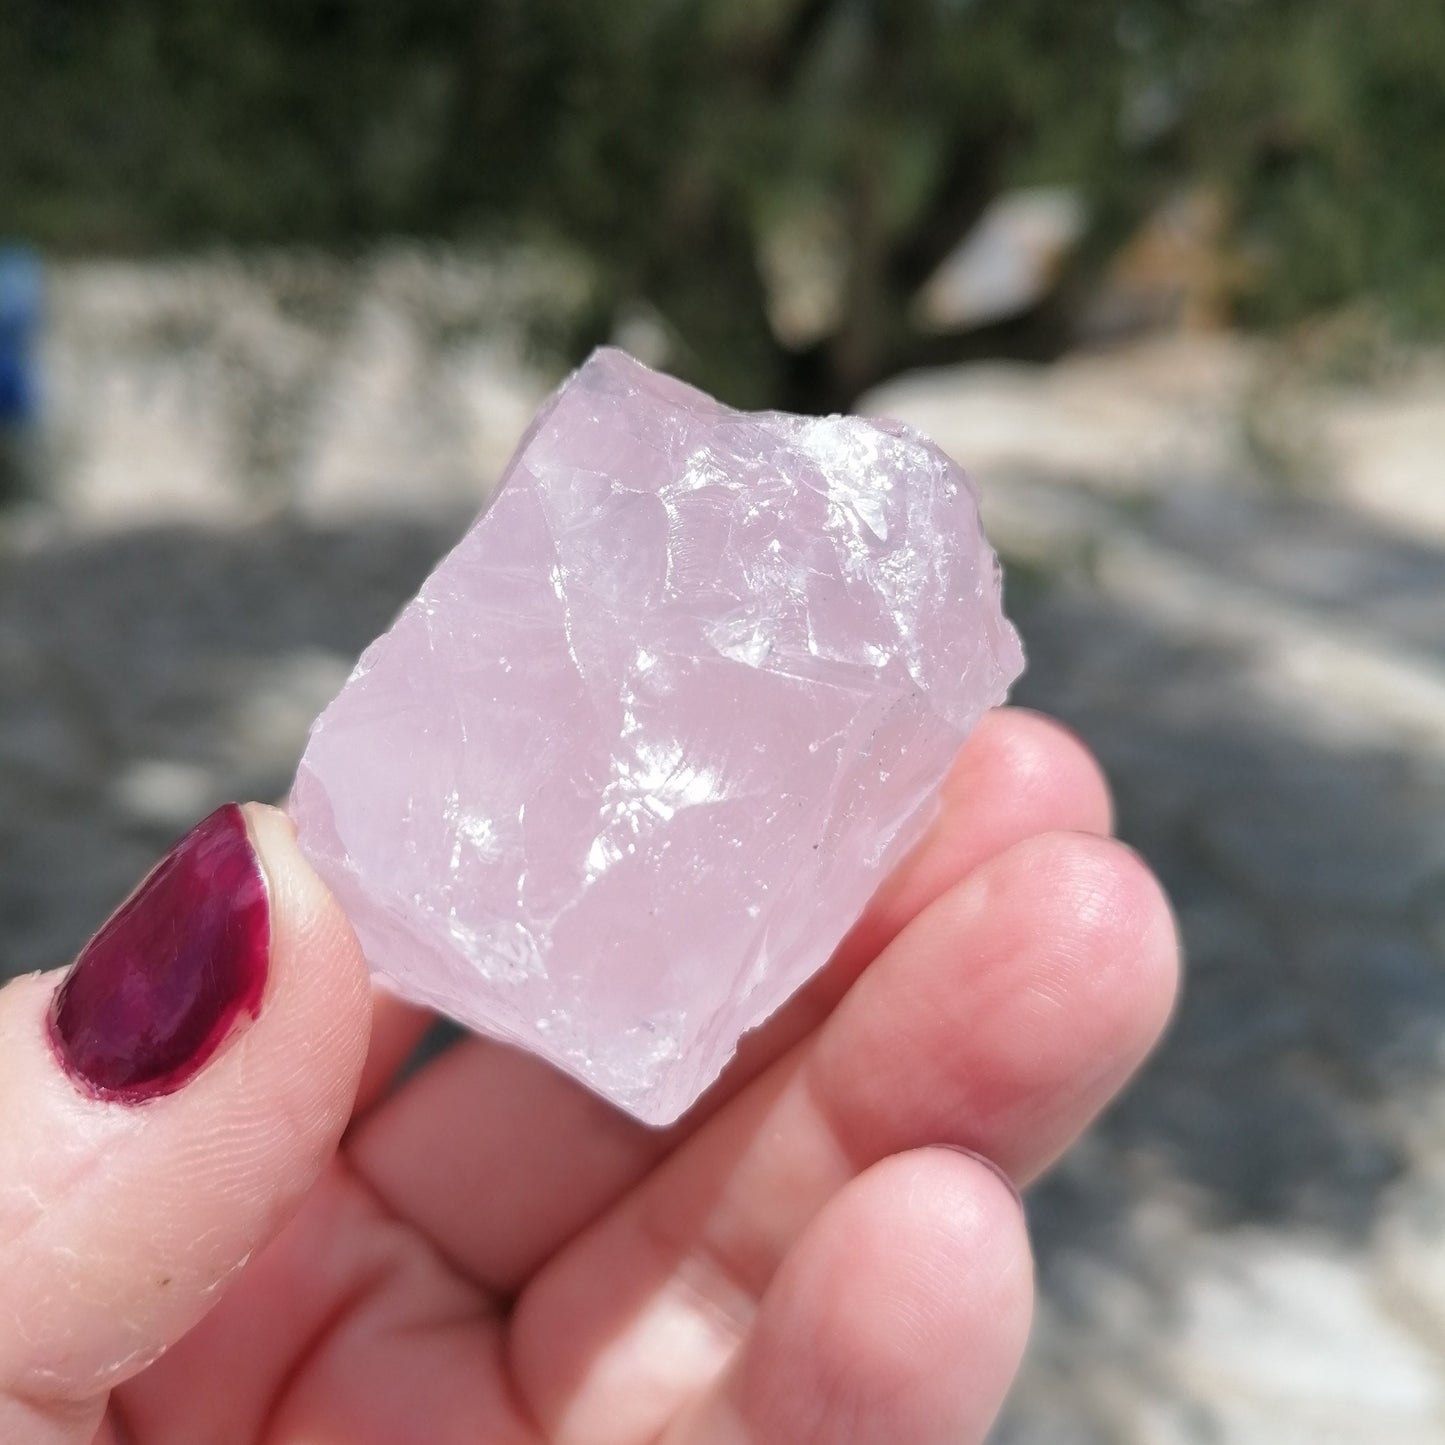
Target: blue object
(22,292)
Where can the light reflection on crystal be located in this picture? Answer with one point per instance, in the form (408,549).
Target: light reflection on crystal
(621,776)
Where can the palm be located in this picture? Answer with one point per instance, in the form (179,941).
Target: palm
(495,1256)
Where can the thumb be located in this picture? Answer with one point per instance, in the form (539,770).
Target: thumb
(164,1107)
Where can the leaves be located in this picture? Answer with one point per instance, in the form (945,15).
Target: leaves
(674,142)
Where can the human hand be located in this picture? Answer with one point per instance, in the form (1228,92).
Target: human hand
(280,1248)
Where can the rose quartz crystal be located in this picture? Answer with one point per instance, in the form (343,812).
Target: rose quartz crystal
(622,775)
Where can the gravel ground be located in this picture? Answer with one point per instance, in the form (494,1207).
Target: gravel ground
(1230,582)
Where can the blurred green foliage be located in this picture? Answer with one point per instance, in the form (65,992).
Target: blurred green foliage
(677,145)
(1332,140)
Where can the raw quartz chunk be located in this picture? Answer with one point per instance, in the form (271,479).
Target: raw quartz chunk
(622,775)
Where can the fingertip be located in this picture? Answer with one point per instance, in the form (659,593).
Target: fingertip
(315,956)
(1019,774)
(902,1314)
(1011,1010)
(300,899)
(397,1030)
(1099,899)
(1037,764)
(947,1227)
(269,817)
(178,1092)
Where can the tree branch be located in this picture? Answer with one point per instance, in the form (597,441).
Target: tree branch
(970,177)
(808,22)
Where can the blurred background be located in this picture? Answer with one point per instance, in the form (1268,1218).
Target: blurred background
(281,280)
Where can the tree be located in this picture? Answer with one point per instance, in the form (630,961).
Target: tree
(676,146)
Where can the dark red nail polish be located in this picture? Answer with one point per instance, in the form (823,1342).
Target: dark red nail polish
(155,993)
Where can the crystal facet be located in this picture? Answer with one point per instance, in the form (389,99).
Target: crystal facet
(621,776)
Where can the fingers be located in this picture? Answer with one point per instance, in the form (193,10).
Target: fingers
(166,1105)
(1002,1019)
(447,1152)
(901,1315)
(1021,774)
(397,1028)
(1010,1013)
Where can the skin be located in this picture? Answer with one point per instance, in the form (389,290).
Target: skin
(828,1249)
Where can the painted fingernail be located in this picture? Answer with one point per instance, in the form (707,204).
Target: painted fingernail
(179,965)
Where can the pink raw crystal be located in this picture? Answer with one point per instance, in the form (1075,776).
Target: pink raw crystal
(622,775)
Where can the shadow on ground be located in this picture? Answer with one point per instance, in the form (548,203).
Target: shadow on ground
(1266,761)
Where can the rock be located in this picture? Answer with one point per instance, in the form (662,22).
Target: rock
(624,773)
